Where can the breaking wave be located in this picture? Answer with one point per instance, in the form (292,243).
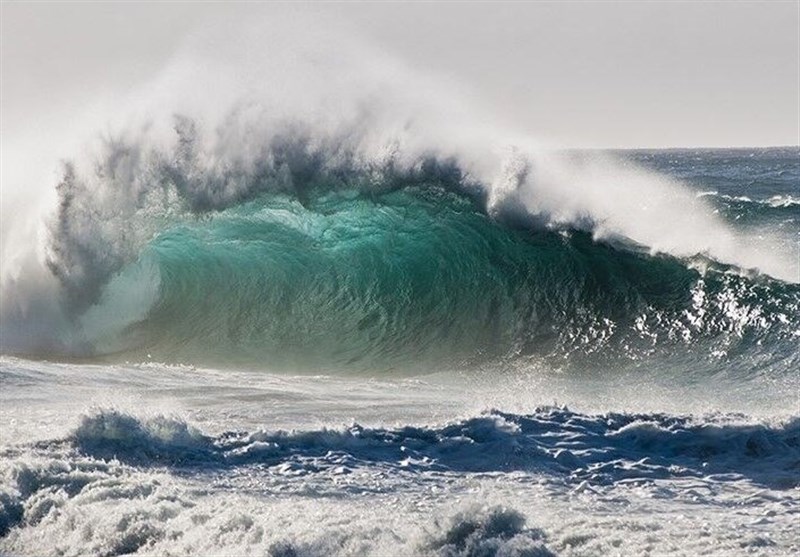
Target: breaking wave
(322,226)
(312,257)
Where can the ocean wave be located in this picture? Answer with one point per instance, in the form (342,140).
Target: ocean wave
(413,275)
(314,252)
(774,201)
(599,449)
(783,201)
(353,216)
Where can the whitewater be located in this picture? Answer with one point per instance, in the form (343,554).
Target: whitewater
(301,300)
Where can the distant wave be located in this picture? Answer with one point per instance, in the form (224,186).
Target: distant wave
(774,201)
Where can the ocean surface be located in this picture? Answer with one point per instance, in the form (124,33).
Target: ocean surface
(303,351)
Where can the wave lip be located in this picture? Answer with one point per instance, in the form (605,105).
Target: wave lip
(601,449)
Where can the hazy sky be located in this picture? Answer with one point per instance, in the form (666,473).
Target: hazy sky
(578,73)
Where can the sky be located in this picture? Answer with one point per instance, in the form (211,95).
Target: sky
(578,74)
